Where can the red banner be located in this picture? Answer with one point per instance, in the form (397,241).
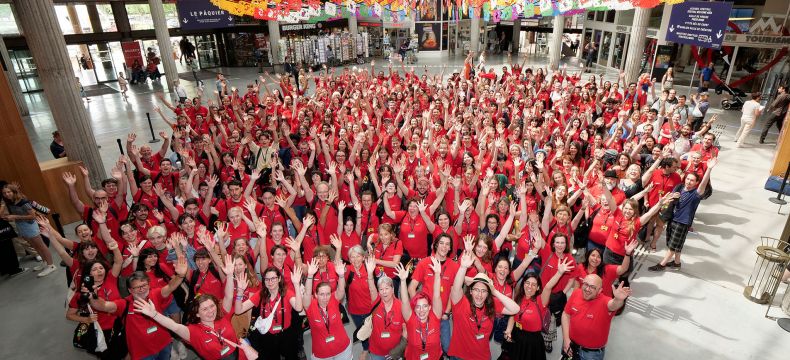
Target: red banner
(132,52)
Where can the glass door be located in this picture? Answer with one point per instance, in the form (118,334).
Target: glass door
(26,71)
(103,64)
(207,53)
(605,49)
(619,51)
(82,64)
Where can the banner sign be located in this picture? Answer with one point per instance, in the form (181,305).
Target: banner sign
(202,14)
(132,52)
(699,23)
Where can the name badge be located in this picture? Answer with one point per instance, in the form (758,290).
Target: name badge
(224,350)
(480,336)
(151,329)
(277,328)
(329,339)
(411,236)
(604,228)
(423,356)
(385,335)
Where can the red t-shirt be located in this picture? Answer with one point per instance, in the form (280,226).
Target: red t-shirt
(530,315)
(329,337)
(428,333)
(550,261)
(348,242)
(144,337)
(662,185)
(608,278)
(601,225)
(471,331)
(208,343)
(108,291)
(329,276)
(425,275)
(413,234)
(359,302)
(590,320)
(622,232)
(283,309)
(387,328)
(207,283)
(387,254)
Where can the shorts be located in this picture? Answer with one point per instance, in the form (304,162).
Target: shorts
(27,229)
(346,354)
(676,235)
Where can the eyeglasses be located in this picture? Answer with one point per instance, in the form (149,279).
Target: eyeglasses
(479,291)
(271,279)
(140,287)
(589,286)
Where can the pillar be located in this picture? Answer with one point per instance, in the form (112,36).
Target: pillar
(633,55)
(121,20)
(474,39)
(274,41)
(352,25)
(46,43)
(732,64)
(77,28)
(516,38)
(685,56)
(163,39)
(13,81)
(555,47)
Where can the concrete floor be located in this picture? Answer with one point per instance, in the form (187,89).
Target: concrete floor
(697,312)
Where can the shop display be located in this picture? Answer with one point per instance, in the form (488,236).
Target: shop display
(312,50)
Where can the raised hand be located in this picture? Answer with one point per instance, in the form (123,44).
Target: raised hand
(630,247)
(241,283)
(227,266)
(308,221)
(621,292)
(403,274)
(340,269)
(564,266)
(335,241)
(312,268)
(469,242)
(436,266)
(180,267)
(69,178)
(146,308)
(370,264)
(296,276)
(467,259)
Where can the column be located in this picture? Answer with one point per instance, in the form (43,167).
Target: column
(555,47)
(163,39)
(77,28)
(352,25)
(633,55)
(13,81)
(474,30)
(121,20)
(46,43)
(516,38)
(274,41)
(732,64)
(683,60)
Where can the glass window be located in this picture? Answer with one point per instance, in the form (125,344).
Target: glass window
(106,17)
(610,16)
(73,19)
(655,16)
(139,16)
(606,44)
(599,16)
(591,15)
(171,16)
(7,20)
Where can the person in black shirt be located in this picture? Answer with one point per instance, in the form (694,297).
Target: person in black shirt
(56,147)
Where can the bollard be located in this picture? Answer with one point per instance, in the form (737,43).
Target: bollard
(151,126)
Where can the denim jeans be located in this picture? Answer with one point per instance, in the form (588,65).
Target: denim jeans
(162,355)
(358,320)
(446,334)
(376,357)
(579,354)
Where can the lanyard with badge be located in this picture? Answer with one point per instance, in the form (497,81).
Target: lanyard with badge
(269,307)
(325,318)
(225,347)
(478,335)
(412,224)
(423,338)
(388,316)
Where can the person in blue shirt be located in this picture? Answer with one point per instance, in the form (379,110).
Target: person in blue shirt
(705,76)
(687,198)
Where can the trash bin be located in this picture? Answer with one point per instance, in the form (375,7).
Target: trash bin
(772,258)
(786,301)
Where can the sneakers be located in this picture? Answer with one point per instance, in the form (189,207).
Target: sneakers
(656,267)
(673,265)
(48,270)
(38,267)
(39,259)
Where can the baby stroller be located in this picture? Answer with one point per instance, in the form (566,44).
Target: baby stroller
(733,103)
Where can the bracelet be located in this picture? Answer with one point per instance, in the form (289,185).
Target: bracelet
(309,278)
(239,297)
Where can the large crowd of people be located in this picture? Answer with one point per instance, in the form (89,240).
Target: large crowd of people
(442,216)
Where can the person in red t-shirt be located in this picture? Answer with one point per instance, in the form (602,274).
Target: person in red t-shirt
(526,341)
(144,338)
(474,311)
(588,316)
(208,329)
(328,335)
(423,331)
(276,300)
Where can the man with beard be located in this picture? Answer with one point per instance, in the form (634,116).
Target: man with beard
(145,338)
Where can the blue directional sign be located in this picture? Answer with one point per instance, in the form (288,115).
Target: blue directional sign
(202,14)
(699,23)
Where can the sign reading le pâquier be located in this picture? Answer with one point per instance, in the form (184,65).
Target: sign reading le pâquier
(699,23)
(202,14)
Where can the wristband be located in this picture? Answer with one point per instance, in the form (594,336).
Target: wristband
(309,278)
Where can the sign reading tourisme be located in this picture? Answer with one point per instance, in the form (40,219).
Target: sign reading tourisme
(699,23)
(202,14)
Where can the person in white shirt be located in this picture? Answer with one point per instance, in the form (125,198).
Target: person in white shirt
(751,111)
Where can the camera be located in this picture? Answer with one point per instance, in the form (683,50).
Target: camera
(87,282)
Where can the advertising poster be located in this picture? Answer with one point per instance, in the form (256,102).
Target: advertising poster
(428,36)
(202,14)
(132,52)
(428,10)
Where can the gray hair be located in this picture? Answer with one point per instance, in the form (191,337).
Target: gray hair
(356,249)
(384,280)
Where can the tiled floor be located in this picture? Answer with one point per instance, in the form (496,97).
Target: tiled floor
(698,312)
